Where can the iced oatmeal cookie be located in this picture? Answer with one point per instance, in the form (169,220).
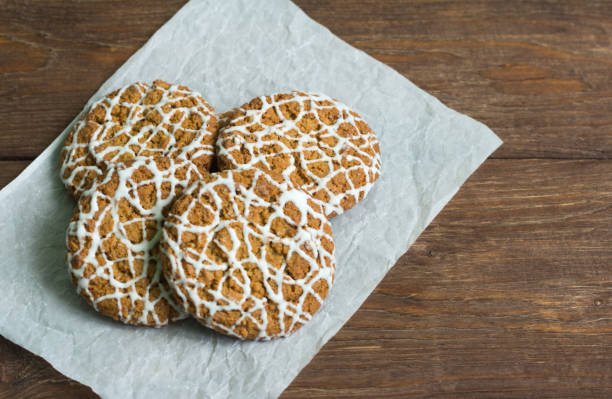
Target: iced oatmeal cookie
(316,142)
(247,254)
(112,240)
(136,122)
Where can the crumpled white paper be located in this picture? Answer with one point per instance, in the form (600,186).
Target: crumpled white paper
(232,51)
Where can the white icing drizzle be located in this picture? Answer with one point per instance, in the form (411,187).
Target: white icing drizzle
(245,132)
(178,257)
(155,138)
(91,260)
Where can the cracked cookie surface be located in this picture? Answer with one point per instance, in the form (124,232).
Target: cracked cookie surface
(248,254)
(314,141)
(136,122)
(112,240)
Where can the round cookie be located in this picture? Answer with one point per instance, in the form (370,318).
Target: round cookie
(248,254)
(318,143)
(135,122)
(112,240)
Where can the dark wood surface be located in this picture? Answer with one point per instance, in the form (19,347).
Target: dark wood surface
(509,292)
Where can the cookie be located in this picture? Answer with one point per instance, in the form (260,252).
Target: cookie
(247,254)
(112,240)
(316,142)
(136,122)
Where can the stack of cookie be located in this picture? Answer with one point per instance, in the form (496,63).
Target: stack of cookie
(159,234)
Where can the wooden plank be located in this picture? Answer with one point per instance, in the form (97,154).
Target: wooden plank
(55,54)
(536,72)
(24,375)
(506,294)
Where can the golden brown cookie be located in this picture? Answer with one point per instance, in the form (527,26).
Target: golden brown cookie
(112,240)
(318,143)
(247,254)
(136,122)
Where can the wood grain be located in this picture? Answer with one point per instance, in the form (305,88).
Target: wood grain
(505,294)
(539,72)
(55,54)
(24,375)
(508,293)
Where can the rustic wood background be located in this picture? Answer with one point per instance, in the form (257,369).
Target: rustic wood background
(509,292)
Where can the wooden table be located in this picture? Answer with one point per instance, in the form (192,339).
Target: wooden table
(509,292)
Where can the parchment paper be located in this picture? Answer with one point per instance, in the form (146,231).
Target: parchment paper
(231,51)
